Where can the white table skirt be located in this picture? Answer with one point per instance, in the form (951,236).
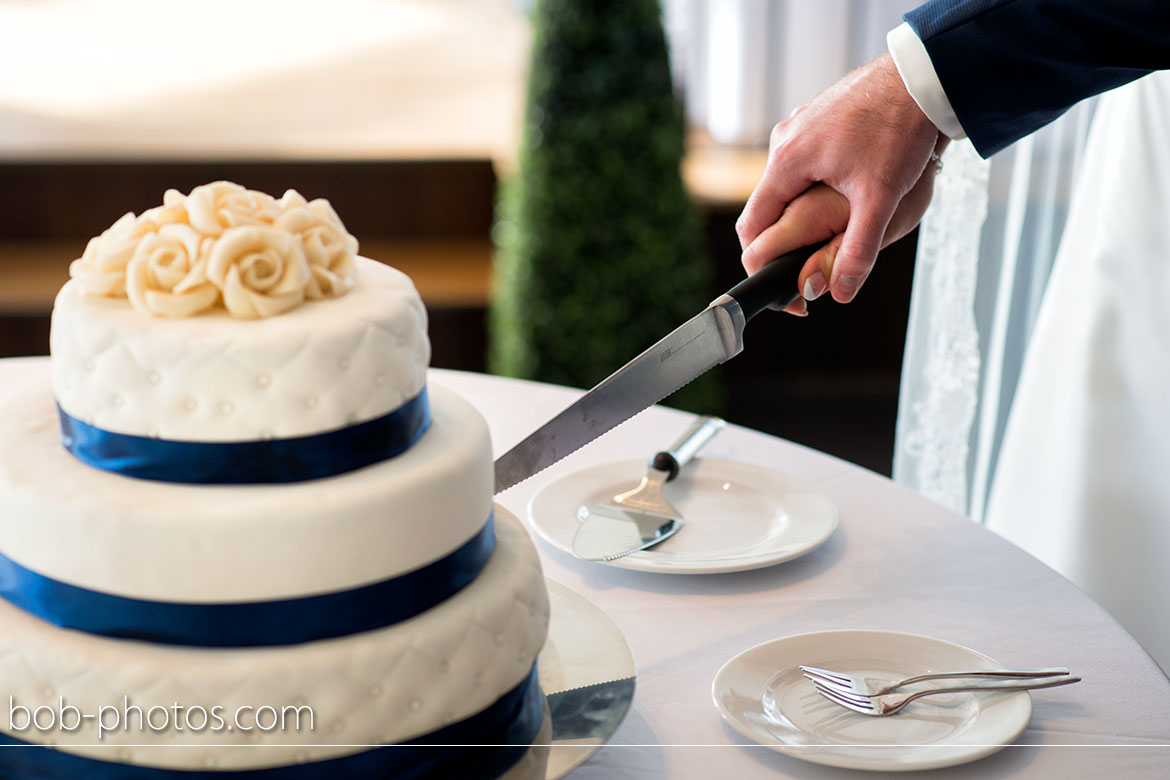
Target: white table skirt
(897,562)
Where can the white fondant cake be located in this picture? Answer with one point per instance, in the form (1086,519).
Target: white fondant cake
(238,492)
(158,540)
(216,378)
(378,687)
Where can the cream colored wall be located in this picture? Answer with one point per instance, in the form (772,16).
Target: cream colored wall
(384,79)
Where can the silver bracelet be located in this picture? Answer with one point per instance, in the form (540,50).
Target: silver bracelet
(934,158)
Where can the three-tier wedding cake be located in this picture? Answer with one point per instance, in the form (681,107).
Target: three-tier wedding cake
(240,536)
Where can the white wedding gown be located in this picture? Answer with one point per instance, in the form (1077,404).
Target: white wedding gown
(1083,478)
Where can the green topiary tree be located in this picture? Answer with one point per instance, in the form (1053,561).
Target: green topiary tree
(599,251)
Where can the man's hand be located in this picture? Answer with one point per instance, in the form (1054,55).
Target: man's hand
(821,213)
(865,139)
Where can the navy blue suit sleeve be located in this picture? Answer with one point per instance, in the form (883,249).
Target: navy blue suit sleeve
(1009,67)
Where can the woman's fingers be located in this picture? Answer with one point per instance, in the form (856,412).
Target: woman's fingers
(817,214)
(814,277)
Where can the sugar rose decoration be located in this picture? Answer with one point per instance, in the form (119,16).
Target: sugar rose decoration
(221,247)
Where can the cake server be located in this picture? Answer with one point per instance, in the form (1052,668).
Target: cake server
(711,337)
(591,711)
(641,518)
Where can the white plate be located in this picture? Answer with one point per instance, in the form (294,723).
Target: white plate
(584,647)
(763,695)
(738,515)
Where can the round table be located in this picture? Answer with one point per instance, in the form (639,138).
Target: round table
(897,562)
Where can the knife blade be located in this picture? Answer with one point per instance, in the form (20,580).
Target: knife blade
(711,337)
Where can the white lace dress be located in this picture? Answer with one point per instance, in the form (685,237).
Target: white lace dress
(1083,477)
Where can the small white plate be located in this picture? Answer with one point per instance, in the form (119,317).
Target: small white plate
(584,647)
(738,516)
(763,695)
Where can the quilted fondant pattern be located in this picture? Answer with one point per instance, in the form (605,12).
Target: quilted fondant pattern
(380,687)
(322,366)
(169,542)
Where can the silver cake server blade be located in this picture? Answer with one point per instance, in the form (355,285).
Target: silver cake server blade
(641,518)
(606,533)
(590,711)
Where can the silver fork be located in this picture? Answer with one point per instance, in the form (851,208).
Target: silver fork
(876,686)
(890,703)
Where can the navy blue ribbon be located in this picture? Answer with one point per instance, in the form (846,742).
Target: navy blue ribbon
(250,462)
(482,747)
(248,624)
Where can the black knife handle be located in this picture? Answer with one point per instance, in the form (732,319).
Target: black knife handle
(774,284)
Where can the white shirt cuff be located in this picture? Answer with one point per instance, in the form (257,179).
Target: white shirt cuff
(917,72)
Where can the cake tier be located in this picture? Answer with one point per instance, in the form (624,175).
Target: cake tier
(379,687)
(319,367)
(238,543)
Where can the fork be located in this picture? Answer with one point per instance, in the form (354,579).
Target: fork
(875,686)
(890,703)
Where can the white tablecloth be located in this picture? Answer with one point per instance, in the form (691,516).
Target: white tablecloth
(897,562)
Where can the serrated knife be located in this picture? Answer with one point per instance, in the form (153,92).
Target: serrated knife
(711,337)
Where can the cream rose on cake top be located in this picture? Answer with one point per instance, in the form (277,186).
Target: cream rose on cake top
(221,246)
(215,207)
(101,270)
(329,249)
(167,274)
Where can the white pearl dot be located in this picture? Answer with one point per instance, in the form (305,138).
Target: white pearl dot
(118,399)
(415,705)
(263,380)
(302,758)
(266,433)
(311,401)
(343,363)
(153,378)
(498,639)
(351,418)
(339,725)
(375,690)
(210,761)
(444,666)
(47,692)
(189,404)
(380,380)
(89,365)
(227,407)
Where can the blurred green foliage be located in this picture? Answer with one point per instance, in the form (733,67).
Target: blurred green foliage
(599,252)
